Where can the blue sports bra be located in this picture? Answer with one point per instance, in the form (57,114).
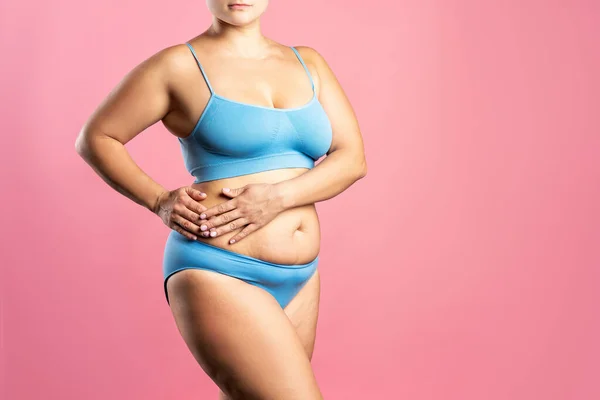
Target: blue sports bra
(233,138)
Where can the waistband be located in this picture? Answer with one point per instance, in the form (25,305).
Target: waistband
(233,255)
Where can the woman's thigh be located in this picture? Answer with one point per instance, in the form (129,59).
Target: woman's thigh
(241,337)
(303,313)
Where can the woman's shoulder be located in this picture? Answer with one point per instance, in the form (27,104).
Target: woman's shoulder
(175,56)
(175,61)
(310,54)
(314,60)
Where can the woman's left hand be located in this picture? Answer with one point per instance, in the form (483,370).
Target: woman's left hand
(252,206)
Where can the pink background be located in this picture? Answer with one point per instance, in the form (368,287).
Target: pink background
(464,266)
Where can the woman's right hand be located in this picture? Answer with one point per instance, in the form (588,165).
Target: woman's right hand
(180,210)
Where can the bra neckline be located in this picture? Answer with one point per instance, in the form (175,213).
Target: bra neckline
(306,105)
(214,96)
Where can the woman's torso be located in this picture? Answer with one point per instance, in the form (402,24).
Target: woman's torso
(293,236)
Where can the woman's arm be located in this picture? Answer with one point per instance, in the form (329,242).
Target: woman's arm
(255,205)
(345,162)
(142,98)
(137,102)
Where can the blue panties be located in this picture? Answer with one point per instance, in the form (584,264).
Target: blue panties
(283,281)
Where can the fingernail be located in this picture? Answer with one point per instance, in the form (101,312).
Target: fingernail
(202,194)
(202,216)
(232,241)
(213,234)
(203,227)
(226,189)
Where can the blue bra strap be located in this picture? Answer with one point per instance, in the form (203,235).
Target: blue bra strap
(305,68)
(201,69)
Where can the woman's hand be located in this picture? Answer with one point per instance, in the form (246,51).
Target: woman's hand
(179,210)
(252,206)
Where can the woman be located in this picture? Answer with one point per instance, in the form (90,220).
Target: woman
(240,263)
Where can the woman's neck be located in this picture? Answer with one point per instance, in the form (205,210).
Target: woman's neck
(243,41)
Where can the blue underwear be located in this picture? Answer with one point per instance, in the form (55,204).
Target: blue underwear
(283,281)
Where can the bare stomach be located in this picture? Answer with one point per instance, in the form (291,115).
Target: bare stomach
(292,237)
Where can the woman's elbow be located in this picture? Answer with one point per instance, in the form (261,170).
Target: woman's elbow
(362,170)
(86,144)
(81,145)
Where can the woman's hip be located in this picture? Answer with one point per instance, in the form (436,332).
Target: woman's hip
(282,280)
